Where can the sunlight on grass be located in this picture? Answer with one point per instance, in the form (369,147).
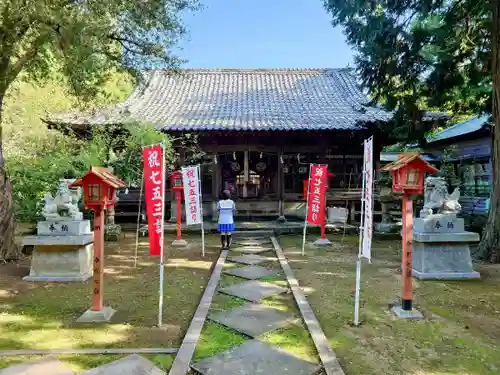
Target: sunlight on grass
(459,335)
(42,316)
(214,339)
(295,340)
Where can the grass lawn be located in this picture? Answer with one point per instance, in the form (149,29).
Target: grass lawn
(42,315)
(460,334)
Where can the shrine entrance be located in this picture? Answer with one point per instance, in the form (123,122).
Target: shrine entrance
(249,174)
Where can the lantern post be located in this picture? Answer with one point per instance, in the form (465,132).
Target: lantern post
(99,194)
(176,183)
(408,178)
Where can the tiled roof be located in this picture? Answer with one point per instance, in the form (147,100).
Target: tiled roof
(393,156)
(465,127)
(104,174)
(404,159)
(232,99)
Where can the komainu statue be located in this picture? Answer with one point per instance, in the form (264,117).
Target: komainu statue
(64,205)
(437,200)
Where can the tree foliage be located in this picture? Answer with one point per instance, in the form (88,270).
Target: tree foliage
(85,40)
(418,54)
(82,42)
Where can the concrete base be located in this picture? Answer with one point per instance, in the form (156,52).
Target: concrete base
(59,279)
(443,261)
(281,219)
(61,264)
(102,316)
(179,243)
(322,242)
(445,275)
(404,314)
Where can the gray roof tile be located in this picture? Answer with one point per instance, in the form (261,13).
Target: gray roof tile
(232,99)
(465,127)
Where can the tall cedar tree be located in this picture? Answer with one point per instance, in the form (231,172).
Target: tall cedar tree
(85,40)
(416,54)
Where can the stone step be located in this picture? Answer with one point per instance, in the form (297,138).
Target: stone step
(131,365)
(253,234)
(46,365)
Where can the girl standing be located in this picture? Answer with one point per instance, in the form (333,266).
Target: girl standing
(226,208)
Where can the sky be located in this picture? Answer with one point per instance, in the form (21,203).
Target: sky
(263,34)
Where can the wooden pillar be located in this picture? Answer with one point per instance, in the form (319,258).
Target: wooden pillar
(215,194)
(281,187)
(216,182)
(98,278)
(407,252)
(352,211)
(245,173)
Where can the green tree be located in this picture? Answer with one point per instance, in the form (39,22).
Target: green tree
(417,54)
(82,41)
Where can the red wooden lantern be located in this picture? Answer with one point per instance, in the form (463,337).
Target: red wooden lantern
(176,180)
(99,188)
(408,173)
(99,193)
(408,178)
(177,186)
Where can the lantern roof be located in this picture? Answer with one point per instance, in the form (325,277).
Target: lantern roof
(176,174)
(104,174)
(413,158)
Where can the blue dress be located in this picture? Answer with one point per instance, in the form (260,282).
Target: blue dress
(226,209)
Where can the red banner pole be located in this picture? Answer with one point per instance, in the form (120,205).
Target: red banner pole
(179,213)
(98,281)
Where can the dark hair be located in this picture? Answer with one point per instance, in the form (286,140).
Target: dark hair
(226,194)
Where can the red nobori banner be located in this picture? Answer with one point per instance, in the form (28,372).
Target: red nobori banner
(317,191)
(155,195)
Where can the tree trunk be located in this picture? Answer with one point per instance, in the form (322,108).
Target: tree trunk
(489,247)
(8,248)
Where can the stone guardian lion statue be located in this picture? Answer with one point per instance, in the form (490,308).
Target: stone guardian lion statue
(437,200)
(64,204)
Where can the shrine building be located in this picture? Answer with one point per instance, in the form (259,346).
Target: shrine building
(258,130)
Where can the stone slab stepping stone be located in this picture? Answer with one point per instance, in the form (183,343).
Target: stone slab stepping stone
(247,242)
(253,319)
(253,290)
(255,358)
(252,249)
(131,365)
(249,259)
(250,272)
(46,365)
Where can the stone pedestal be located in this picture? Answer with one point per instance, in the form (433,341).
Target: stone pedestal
(441,249)
(322,242)
(101,316)
(63,251)
(179,243)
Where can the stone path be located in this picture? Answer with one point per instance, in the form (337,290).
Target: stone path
(253,319)
(131,365)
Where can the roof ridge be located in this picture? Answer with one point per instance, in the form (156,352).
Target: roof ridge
(253,70)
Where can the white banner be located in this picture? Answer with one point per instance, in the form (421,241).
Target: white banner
(192,195)
(368,195)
